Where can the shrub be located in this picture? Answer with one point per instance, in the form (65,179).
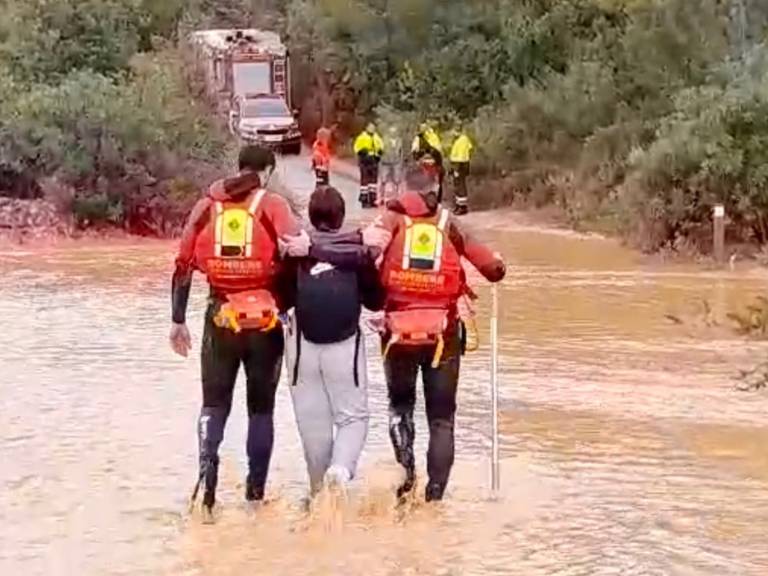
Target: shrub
(713,148)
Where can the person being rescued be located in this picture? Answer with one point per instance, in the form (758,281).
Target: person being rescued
(423,280)
(321,157)
(232,237)
(325,358)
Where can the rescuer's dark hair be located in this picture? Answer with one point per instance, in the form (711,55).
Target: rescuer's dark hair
(326,209)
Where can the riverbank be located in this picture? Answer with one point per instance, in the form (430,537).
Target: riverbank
(37,223)
(605,406)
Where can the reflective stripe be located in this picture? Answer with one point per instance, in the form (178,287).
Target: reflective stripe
(407,243)
(256,201)
(219,210)
(249,236)
(257,198)
(439,249)
(444,215)
(442,223)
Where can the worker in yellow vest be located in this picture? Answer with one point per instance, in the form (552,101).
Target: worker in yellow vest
(461,153)
(368,148)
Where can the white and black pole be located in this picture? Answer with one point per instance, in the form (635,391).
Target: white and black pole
(495,480)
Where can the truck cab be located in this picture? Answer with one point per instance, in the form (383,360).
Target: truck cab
(265,119)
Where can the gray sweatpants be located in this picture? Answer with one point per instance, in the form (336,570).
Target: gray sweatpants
(331,408)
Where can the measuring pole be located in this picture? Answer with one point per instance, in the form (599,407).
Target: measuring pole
(495,481)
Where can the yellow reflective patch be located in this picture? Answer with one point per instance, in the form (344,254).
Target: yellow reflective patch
(234,227)
(424,241)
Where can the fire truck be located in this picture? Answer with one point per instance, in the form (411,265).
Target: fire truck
(247,78)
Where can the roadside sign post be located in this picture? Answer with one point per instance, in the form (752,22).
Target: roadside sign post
(718,219)
(495,480)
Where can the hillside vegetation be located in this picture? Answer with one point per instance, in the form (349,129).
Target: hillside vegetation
(638,114)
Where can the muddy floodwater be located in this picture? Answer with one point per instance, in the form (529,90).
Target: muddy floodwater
(625,448)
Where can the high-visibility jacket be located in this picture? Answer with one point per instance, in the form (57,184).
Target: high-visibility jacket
(461,151)
(372,144)
(412,267)
(422,267)
(235,250)
(431,138)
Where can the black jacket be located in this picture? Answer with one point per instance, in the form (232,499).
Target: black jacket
(333,284)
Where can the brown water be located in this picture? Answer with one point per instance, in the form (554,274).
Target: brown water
(625,448)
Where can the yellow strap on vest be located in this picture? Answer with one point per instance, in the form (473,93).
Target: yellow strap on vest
(393,340)
(227,318)
(272,324)
(438,351)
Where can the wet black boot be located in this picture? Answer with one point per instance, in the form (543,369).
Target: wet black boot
(402,432)
(210,432)
(261,435)
(440,457)
(209,477)
(253,492)
(434,492)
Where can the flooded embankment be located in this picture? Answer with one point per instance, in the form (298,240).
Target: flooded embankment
(626,449)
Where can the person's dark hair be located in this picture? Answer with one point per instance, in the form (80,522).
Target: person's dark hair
(326,209)
(256,158)
(418,180)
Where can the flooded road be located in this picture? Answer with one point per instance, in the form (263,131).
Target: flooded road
(625,448)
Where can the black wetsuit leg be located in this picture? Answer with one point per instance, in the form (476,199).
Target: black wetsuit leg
(262,355)
(401,369)
(440,388)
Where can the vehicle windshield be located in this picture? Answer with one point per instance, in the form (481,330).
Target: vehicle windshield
(266,107)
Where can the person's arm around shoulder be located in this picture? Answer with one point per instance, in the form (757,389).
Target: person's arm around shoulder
(379,233)
(181,284)
(345,252)
(372,293)
(489,263)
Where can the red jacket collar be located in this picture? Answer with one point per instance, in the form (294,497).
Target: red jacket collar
(234,188)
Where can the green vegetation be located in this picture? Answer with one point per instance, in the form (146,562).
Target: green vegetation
(638,114)
(92,94)
(643,112)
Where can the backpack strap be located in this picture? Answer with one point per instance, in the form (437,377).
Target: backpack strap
(441,224)
(256,201)
(252,209)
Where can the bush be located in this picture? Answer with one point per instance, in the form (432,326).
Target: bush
(713,148)
(80,104)
(640,110)
(127,135)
